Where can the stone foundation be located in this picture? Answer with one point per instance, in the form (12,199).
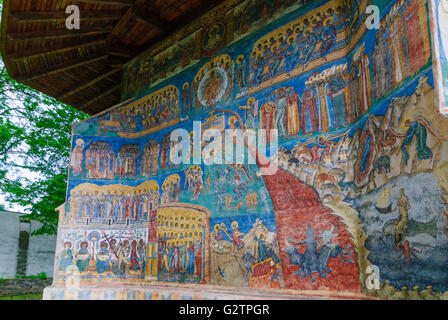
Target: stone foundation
(124,291)
(20,287)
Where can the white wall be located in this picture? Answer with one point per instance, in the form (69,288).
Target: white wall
(41,248)
(9,239)
(40,253)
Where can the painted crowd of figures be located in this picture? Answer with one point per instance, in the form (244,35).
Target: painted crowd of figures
(245,18)
(97,160)
(401,48)
(180,258)
(350,132)
(117,259)
(279,52)
(112,207)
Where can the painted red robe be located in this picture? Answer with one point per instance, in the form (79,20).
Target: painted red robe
(267,119)
(309,105)
(292,114)
(414,36)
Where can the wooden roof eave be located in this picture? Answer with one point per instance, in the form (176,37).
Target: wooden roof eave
(30,79)
(4,26)
(71,67)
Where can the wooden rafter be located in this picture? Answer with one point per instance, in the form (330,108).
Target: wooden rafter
(53,50)
(62,67)
(125,51)
(121,24)
(114,61)
(53,16)
(87,84)
(99,97)
(143,15)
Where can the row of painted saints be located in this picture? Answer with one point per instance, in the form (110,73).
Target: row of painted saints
(114,256)
(112,206)
(246,17)
(331,99)
(129,205)
(282,52)
(102,162)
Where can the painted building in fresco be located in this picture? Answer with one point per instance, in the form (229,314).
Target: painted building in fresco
(360,190)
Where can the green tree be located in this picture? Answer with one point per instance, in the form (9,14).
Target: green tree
(35,135)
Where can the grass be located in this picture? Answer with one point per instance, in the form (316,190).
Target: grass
(24,297)
(42,275)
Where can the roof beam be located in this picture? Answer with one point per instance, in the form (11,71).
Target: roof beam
(143,15)
(40,51)
(61,67)
(114,61)
(122,23)
(87,84)
(123,3)
(59,34)
(125,51)
(53,16)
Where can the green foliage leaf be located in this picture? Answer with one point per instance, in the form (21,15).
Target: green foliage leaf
(35,135)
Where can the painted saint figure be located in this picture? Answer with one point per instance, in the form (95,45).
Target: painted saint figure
(400,229)
(337,87)
(66,256)
(103,258)
(240,72)
(292,54)
(280,111)
(310,46)
(415,44)
(380,68)
(83,257)
(418,130)
(328,37)
(397,54)
(251,113)
(267,119)
(308,112)
(292,112)
(76,158)
(236,237)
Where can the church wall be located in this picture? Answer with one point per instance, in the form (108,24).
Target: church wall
(357,204)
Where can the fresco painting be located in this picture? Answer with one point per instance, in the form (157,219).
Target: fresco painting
(361,165)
